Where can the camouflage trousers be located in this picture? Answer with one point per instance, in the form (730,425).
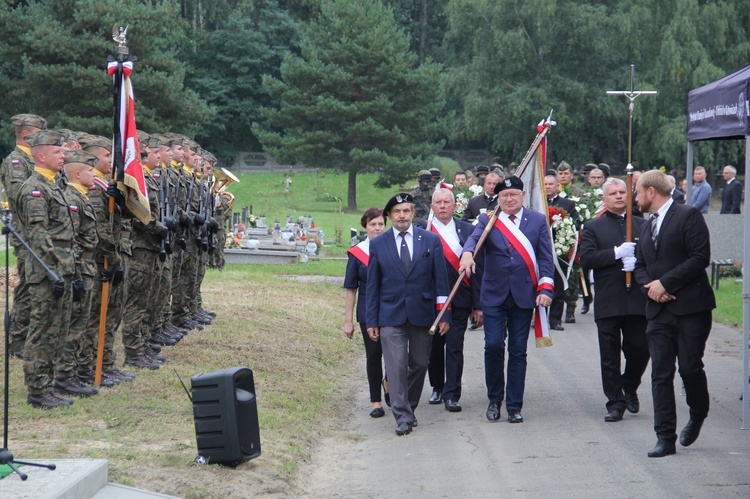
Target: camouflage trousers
(142,279)
(197,298)
(78,334)
(19,314)
(163,306)
(48,329)
(574,284)
(184,288)
(115,308)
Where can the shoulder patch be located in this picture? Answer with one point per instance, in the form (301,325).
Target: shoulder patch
(15,161)
(73,208)
(36,194)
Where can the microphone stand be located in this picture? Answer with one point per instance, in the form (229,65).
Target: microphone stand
(6,456)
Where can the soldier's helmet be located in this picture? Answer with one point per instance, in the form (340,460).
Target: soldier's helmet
(424,175)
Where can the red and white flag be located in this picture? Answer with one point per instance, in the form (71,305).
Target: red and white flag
(133,181)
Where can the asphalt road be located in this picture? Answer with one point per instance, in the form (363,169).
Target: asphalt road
(563,449)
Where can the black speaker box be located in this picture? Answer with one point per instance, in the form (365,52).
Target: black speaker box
(226,415)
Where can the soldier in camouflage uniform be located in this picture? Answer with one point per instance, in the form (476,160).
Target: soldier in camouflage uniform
(116,250)
(50,234)
(206,231)
(422,195)
(436,175)
(142,275)
(79,171)
(14,171)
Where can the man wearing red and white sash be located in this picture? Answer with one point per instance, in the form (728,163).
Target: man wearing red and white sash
(447,357)
(518,277)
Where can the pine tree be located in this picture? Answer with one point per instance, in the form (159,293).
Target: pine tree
(355,99)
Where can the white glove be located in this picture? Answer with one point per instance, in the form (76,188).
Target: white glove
(628,264)
(624,250)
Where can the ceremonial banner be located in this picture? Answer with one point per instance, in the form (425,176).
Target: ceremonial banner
(128,170)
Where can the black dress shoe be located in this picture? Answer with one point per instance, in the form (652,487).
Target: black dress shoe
(436,397)
(515,417)
(613,416)
(584,309)
(403,429)
(557,326)
(663,448)
(452,406)
(631,402)
(378,412)
(414,423)
(570,318)
(493,411)
(691,431)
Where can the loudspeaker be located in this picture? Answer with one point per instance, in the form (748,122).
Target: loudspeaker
(226,416)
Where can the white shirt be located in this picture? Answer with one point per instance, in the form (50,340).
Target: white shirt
(409,236)
(662,213)
(517,220)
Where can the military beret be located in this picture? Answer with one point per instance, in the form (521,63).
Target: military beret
(604,167)
(435,172)
(29,120)
(45,138)
(397,199)
(483,169)
(147,139)
(87,141)
(69,134)
(589,167)
(564,166)
(424,175)
(511,182)
(81,156)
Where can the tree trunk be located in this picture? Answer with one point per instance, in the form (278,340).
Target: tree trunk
(351,196)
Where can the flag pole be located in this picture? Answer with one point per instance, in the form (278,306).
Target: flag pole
(120,36)
(493,218)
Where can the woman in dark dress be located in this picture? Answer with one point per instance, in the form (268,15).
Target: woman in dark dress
(356,279)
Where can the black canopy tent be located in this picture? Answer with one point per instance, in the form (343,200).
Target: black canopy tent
(720,110)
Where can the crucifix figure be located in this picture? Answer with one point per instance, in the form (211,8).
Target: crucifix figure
(631,95)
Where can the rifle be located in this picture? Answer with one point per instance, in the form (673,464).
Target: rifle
(164,244)
(200,218)
(188,208)
(214,226)
(175,207)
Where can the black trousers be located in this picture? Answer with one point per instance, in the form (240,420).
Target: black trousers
(454,353)
(374,356)
(682,338)
(624,334)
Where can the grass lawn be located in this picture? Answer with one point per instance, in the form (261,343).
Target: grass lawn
(286,329)
(729,303)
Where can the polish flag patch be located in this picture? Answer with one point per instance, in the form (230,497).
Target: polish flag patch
(36,194)
(15,161)
(73,208)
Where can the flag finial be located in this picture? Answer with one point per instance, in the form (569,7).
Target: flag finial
(120,35)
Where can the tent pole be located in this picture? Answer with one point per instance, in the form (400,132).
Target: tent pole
(689,175)
(746,304)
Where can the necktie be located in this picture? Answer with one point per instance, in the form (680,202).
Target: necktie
(405,257)
(512,219)
(654,228)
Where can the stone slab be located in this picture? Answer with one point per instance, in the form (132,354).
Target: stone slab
(72,479)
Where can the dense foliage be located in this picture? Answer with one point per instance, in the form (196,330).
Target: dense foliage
(490,69)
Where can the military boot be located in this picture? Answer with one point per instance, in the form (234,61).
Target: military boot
(73,386)
(121,375)
(142,362)
(45,401)
(89,378)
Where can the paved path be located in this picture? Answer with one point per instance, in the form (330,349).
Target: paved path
(563,449)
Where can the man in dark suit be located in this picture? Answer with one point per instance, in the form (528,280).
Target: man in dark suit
(511,290)
(731,196)
(406,285)
(620,313)
(447,359)
(562,295)
(487,201)
(671,270)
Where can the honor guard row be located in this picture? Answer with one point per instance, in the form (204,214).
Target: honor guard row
(58,185)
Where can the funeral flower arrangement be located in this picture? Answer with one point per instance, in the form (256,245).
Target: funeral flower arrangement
(462,202)
(476,190)
(565,235)
(589,204)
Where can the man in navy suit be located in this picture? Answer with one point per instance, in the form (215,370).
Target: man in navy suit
(406,285)
(672,257)
(447,358)
(518,276)
(731,196)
